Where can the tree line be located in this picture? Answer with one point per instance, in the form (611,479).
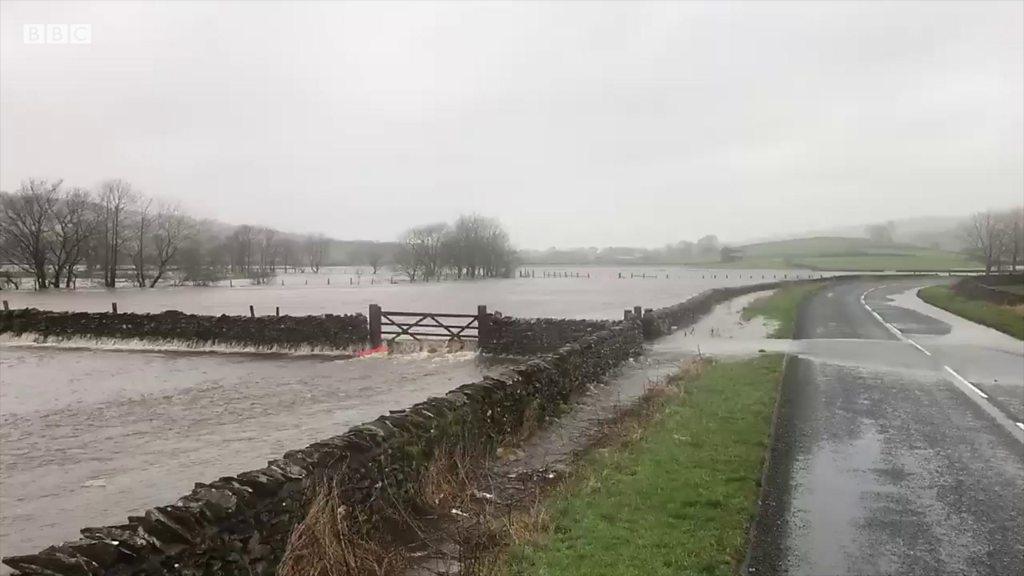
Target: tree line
(472,247)
(996,238)
(56,234)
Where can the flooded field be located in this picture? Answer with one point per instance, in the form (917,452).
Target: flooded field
(89,436)
(603,295)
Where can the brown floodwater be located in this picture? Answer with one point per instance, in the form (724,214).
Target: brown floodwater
(89,436)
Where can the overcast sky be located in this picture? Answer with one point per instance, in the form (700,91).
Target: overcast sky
(576,124)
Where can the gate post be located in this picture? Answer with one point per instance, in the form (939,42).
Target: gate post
(375,336)
(483,327)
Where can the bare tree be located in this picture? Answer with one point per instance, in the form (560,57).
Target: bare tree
(74,222)
(316,251)
(116,199)
(985,235)
(1013,225)
(406,262)
(143,222)
(267,249)
(171,229)
(25,226)
(374,256)
(422,251)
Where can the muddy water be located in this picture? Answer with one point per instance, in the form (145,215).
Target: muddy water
(602,295)
(88,437)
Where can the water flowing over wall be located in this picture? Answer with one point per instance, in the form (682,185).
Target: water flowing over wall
(241,524)
(325,332)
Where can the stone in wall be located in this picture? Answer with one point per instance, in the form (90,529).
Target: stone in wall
(326,331)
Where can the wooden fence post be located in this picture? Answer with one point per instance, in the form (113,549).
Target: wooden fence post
(252,311)
(113,307)
(277,310)
(7,307)
(374,324)
(483,327)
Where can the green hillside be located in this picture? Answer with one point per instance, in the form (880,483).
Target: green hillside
(838,253)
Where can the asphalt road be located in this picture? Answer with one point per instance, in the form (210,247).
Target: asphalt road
(899,447)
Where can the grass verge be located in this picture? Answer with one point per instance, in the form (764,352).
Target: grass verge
(1007,319)
(781,307)
(675,496)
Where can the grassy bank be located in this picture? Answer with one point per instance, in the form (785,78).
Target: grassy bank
(676,495)
(1009,320)
(781,307)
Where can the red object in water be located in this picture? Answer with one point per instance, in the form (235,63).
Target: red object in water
(372,351)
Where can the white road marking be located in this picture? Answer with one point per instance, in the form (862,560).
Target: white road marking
(918,346)
(965,382)
(888,326)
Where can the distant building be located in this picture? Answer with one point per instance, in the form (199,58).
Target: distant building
(731,254)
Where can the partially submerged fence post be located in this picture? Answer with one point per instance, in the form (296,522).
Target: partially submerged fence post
(7,307)
(113,307)
(375,336)
(252,311)
(483,327)
(277,310)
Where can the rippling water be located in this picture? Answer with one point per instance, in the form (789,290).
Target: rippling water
(602,295)
(90,436)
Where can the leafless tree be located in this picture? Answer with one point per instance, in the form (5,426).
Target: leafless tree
(143,223)
(986,235)
(267,246)
(374,256)
(171,229)
(25,226)
(316,251)
(116,199)
(75,220)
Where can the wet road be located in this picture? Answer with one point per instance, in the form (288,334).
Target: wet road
(898,449)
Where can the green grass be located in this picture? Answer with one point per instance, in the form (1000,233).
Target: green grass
(853,254)
(677,499)
(1011,288)
(1003,318)
(781,307)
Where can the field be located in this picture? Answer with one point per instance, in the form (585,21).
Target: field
(1006,319)
(676,497)
(851,254)
(781,308)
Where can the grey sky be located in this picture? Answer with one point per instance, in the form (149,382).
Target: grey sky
(575,123)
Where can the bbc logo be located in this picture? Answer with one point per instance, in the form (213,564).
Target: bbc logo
(57,33)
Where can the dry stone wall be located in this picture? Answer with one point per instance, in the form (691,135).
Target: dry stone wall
(241,524)
(327,332)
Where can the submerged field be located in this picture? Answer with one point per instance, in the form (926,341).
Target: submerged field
(598,292)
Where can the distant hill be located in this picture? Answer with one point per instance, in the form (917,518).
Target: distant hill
(847,253)
(940,232)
